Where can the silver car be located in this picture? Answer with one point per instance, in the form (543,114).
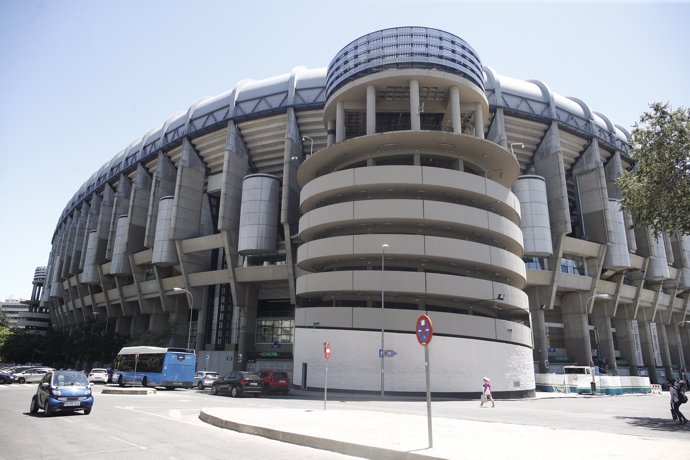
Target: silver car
(204,379)
(31,375)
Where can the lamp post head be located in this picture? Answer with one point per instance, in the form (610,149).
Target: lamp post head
(178,289)
(385,246)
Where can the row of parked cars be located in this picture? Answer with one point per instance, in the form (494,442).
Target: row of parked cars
(30,374)
(237,383)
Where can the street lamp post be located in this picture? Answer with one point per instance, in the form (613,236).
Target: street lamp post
(190,298)
(384,246)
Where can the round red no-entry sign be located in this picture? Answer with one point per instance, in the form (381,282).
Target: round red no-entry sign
(424,330)
(327,350)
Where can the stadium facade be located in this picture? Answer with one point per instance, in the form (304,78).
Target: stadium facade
(340,204)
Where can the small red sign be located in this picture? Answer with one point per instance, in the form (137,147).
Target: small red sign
(424,330)
(327,350)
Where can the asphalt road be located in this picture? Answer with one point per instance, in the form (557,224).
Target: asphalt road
(165,425)
(161,426)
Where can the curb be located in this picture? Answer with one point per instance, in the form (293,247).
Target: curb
(340,447)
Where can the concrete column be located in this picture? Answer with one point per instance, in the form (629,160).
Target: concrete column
(330,127)
(592,196)
(548,163)
(538,298)
(234,170)
(414,106)
(138,209)
(497,131)
(648,350)
(626,342)
(79,239)
(576,329)
(189,193)
(339,122)
(455,113)
(163,185)
(664,348)
(478,120)
(120,207)
(371,110)
(604,335)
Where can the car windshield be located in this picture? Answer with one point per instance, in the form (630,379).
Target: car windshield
(251,376)
(212,374)
(280,375)
(70,379)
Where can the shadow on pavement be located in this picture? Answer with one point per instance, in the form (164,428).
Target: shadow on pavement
(658,424)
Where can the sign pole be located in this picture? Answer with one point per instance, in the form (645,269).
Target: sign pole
(327,355)
(425,331)
(428,397)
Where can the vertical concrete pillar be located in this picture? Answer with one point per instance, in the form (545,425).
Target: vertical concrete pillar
(340,122)
(79,238)
(647,344)
(628,341)
(478,120)
(664,350)
(606,349)
(497,131)
(539,299)
(189,193)
(371,110)
(138,209)
(120,208)
(234,170)
(576,329)
(455,113)
(415,123)
(330,130)
(163,185)
(592,196)
(548,163)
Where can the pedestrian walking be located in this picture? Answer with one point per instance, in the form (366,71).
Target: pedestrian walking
(676,401)
(486,393)
(683,381)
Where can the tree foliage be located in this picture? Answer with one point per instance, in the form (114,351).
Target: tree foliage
(78,348)
(656,193)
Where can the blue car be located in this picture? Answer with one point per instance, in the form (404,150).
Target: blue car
(5,377)
(62,391)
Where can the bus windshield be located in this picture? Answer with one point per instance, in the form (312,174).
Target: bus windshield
(156,367)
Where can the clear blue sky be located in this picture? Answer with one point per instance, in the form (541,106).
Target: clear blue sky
(81,79)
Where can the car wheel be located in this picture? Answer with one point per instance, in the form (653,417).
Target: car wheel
(234,391)
(144,382)
(34,405)
(47,412)
(214,390)
(200,386)
(87,411)
(120,381)
(21,380)
(170,388)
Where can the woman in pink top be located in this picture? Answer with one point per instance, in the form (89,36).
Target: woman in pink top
(486,393)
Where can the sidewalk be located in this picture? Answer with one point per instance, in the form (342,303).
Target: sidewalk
(387,435)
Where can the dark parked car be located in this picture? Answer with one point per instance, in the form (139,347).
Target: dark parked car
(62,391)
(5,377)
(238,383)
(275,381)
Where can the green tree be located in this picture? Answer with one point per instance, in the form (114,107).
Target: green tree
(656,193)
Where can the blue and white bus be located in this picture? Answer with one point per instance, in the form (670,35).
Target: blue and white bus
(156,367)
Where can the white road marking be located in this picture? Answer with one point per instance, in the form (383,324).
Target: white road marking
(130,443)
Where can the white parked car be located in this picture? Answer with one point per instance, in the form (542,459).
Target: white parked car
(204,379)
(31,375)
(98,375)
